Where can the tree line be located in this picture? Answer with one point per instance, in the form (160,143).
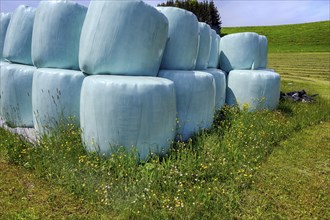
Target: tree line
(205,11)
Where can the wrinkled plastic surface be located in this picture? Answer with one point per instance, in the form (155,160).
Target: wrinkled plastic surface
(195,100)
(2,64)
(17,47)
(55,98)
(220,86)
(204,50)
(182,46)
(56,34)
(214,53)
(263,51)
(122,37)
(16,94)
(128,111)
(4,22)
(239,51)
(259,89)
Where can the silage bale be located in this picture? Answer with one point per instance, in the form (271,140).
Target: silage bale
(263,51)
(122,37)
(214,53)
(55,98)
(239,51)
(182,46)
(56,34)
(16,94)
(128,111)
(220,86)
(17,47)
(2,64)
(195,100)
(4,22)
(205,40)
(258,89)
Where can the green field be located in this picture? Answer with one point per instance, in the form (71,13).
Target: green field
(309,37)
(262,165)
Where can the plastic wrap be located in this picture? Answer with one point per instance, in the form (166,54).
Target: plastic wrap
(16,93)
(123,38)
(128,111)
(259,89)
(239,51)
(17,47)
(56,34)
(220,86)
(195,100)
(263,51)
(182,46)
(214,53)
(204,50)
(55,98)
(4,22)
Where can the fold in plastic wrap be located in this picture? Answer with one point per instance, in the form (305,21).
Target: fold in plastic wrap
(239,51)
(214,53)
(263,51)
(195,100)
(56,34)
(128,111)
(258,89)
(122,38)
(182,46)
(4,22)
(17,47)
(220,86)
(204,50)
(16,94)
(55,98)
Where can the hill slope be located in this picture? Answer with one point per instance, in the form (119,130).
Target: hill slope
(308,37)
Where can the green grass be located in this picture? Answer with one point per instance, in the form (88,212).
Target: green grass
(294,182)
(308,37)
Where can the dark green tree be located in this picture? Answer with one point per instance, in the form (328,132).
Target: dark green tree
(205,11)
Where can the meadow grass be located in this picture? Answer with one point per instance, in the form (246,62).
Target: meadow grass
(308,37)
(211,176)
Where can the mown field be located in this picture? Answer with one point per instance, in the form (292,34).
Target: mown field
(262,165)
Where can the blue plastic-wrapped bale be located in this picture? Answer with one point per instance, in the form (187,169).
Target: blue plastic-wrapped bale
(204,50)
(16,94)
(56,34)
(257,89)
(56,98)
(220,86)
(239,51)
(2,64)
(195,100)
(4,22)
(17,47)
(128,111)
(263,51)
(183,39)
(122,38)
(214,53)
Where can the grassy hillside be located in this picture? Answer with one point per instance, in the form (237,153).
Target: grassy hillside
(309,37)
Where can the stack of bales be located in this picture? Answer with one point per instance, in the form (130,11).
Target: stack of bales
(55,50)
(195,90)
(124,103)
(16,79)
(125,71)
(244,57)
